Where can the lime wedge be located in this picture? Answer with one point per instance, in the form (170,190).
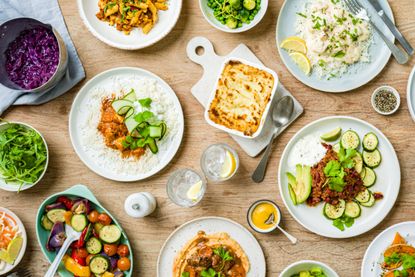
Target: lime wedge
(13,250)
(228,166)
(332,135)
(194,191)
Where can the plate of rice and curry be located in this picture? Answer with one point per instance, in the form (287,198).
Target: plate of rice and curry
(130,24)
(339,177)
(126,124)
(211,246)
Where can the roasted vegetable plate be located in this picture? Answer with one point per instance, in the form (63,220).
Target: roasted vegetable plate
(103,248)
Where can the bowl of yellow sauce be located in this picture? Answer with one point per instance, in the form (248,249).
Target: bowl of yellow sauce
(264,216)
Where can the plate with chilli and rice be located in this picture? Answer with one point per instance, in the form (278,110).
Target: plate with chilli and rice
(126,124)
(339,176)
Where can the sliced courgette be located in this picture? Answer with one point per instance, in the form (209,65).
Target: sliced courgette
(99,264)
(350,140)
(363,173)
(352,209)
(363,196)
(334,211)
(46,223)
(110,234)
(372,159)
(370,142)
(358,162)
(79,222)
(370,177)
(56,215)
(371,201)
(93,246)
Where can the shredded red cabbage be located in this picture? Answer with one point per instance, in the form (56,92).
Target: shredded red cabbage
(32,58)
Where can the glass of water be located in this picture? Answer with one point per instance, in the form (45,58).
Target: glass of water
(186,187)
(219,162)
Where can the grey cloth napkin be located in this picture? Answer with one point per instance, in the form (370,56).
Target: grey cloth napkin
(46,11)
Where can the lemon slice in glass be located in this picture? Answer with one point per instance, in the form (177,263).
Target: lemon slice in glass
(294,44)
(228,166)
(13,250)
(193,192)
(302,61)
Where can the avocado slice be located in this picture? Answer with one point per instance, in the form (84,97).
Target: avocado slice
(292,182)
(303,188)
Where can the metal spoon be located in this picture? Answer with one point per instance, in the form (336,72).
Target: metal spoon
(281,115)
(271,221)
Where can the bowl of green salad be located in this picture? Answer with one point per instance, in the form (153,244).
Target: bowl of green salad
(307,268)
(24,156)
(233,16)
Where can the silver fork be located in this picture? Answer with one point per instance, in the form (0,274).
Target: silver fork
(361,13)
(20,273)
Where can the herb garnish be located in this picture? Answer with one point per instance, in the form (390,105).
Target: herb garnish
(334,169)
(145,102)
(343,221)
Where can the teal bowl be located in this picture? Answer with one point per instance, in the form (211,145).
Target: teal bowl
(75,191)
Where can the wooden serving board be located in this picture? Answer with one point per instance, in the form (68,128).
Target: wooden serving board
(211,64)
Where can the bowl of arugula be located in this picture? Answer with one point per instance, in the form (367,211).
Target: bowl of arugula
(24,156)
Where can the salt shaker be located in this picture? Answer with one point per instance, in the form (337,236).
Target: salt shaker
(140,204)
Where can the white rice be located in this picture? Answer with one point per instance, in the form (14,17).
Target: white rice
(93,142)
(307,151)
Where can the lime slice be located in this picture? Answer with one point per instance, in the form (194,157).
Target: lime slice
(332,135)
(194,191)
(13,250)
(229,165)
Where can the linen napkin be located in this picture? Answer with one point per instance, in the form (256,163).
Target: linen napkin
(46,11)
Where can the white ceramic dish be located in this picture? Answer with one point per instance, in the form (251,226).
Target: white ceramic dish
(359,74)
(8,267)
(374,253)
(253,226)
(388,180)
(410,94)
(136,40)
(210,18)
(388,88)
(15,186)
(304,265)
(77,115)
(187,231)
(267,108)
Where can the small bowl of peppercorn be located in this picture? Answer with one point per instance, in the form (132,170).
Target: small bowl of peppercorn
(386,100)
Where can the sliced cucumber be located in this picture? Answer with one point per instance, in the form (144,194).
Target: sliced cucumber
(110,234)
(121,106)
(334,211)
(336,147)
(93,246)
(358,162)
(99,264)
(352,209)
(350,140)
(46,223)
(129,113)
(155,131)
(152,145)
(56,215)
(371,201)
(131,123)
(370,177)
(79,222)
(131,96)
(363,196)
(372,159)
(370,142)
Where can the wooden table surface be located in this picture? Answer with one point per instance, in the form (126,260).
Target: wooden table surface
(231,199)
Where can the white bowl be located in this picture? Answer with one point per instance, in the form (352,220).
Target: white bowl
(208,14)
(391,89)
(307,265)
(267,108)
(136,39)
(15,186)
(253,226)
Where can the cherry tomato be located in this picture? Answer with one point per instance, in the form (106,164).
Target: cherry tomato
(93,216)
(124,264)
(110,249)
(88,259)
(66,201)
(104,219)
(123,250)
(81,252)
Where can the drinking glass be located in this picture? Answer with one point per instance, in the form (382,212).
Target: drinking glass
(186,187)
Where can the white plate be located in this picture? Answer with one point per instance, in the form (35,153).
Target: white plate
(388,180)
(187,231)
(374,253)
(8,267)
(304,265)
(358,74)
(76,115)
(136,40)
(410,94)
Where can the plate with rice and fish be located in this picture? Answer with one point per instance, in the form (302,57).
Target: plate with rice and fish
(126,124)
(329,49)
(339,177)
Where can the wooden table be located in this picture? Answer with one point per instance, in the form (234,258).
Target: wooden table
(168,59)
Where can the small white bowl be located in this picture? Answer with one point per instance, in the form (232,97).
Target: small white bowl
(267,108)
(303,265)
(252,225)
(391,89)
(208,14)
(15,186)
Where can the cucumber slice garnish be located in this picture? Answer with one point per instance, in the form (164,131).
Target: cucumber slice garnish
(372,159)
(370,142)
(350,140)
(352,209)
(332,135)
(370,177)
(363,196)
(334,211)
(121,106)
(371,201)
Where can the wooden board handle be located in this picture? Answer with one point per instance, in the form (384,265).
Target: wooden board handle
(194,50)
